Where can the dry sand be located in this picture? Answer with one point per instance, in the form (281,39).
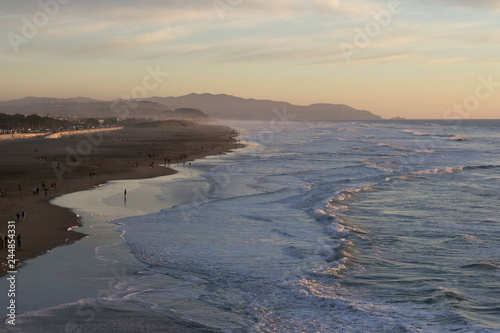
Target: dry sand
(123,154)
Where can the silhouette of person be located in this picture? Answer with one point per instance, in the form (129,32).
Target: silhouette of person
(19,242)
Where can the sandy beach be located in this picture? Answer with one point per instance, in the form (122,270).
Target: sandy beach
(78,162)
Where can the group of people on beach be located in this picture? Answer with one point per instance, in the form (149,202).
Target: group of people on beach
(21,216)
(36,190)
(4,241)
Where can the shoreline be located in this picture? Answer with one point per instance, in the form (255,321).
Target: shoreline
(56,135)
(103,263)
(130,153)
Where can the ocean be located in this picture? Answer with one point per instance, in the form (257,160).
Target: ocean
(387,226)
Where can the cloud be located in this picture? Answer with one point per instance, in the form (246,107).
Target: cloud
(448,60)
(152,37)
(252,31)
(267,54)
(478,4)
(383,58)
(494,4)
(163,10)
(347,8)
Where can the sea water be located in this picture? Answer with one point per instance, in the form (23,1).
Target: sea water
(314,227)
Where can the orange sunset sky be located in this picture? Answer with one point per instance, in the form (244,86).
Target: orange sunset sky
(414,58)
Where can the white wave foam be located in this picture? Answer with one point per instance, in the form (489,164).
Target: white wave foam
(381,167)
(425,173)
(425,151)
(337,230)
(415,132)
(438,132)
(321,215)
(437,171)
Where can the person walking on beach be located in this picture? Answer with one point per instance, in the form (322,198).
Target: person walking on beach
(18,216)
(19,242)
(23,215)
(125,193)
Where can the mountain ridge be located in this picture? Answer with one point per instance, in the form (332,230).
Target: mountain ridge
(225,106)
(219,106)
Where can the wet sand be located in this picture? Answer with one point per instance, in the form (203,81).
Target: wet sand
(103,316)
(81,162)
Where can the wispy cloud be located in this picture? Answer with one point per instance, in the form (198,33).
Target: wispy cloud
(479,4)
(448,60)
(151,37)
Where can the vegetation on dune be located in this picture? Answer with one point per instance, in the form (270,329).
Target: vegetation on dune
(19,123)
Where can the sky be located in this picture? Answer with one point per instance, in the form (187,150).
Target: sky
(432,59)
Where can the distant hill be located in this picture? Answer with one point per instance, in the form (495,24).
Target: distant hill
(231,107)
(186,107)
(86,107)
(186,113)
(166,123)
(30,101)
